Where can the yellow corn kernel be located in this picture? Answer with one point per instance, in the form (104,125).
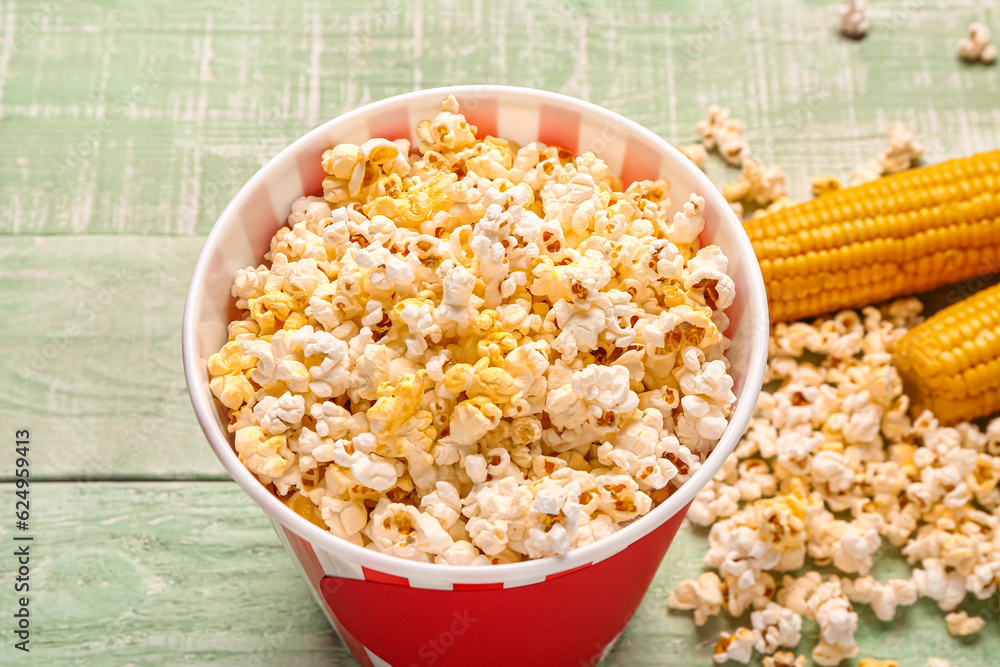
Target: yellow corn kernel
(950,363)
(902,234)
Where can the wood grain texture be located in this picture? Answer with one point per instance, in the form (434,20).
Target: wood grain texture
(161,574)
(128,127)
(92,345)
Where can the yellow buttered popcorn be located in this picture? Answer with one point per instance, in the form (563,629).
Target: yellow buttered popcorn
(470,351)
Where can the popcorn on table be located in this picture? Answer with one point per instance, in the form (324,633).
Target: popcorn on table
(725,135)
(977,46)
(853,18)
(834,435)
(901,152)
(477,352)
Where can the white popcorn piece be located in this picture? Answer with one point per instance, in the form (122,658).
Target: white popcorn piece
(831,609)
(883,598)
(903,149)
(853,18)
(689,222)
(405,531)
(703,595)
(960,624)
(938,662)
(725,135)
(605,389)
(757,185)
(697,153)
(776,626)
(977,46)
(737,646)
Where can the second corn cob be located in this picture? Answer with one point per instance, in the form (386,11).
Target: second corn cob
(950,363)
(902,234)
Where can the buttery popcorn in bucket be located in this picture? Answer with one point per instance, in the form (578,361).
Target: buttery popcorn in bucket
(476,352)
(483,378)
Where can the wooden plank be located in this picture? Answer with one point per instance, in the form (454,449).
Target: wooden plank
(160,573)
(135,120)
(91,337)
(192,573)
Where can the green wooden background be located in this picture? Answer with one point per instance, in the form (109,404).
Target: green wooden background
(125,129)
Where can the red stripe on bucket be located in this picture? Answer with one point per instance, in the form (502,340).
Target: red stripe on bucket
(559,127)
(260,222)
(477,587)
(310,164)
(390,125)
(641,162)
(383,578)
(556,575)
(484,113)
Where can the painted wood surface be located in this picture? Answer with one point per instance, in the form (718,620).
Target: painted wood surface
(125,128)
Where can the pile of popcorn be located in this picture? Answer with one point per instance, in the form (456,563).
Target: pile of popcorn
(477,352)
(831,468)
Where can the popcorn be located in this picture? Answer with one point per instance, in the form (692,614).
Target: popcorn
(697,153)
(737,647)
(473,352)
(703,595)
(960,624)
(725,135)
(776,626)
(756,185)
(833,435)
(902,151)
(883,598)
(784,659)
(831,609)
(977,45)
(853,21)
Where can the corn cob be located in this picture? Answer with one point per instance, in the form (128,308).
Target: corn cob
(950,363)
(902,234)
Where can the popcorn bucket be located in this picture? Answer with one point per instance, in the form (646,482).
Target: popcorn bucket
(566,610)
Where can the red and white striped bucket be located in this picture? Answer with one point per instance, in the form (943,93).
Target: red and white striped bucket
(567,610)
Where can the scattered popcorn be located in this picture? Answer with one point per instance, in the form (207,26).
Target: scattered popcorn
(833,468)
(853,20)
(977,45)
(724,135)
(902,152)
(477,352)
(872,662)
(960,624)
(697,153)
(757,185)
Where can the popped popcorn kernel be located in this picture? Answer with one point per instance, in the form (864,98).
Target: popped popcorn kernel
(960,624)
(977,46)
(853,18)
(737,646)
(471,352)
